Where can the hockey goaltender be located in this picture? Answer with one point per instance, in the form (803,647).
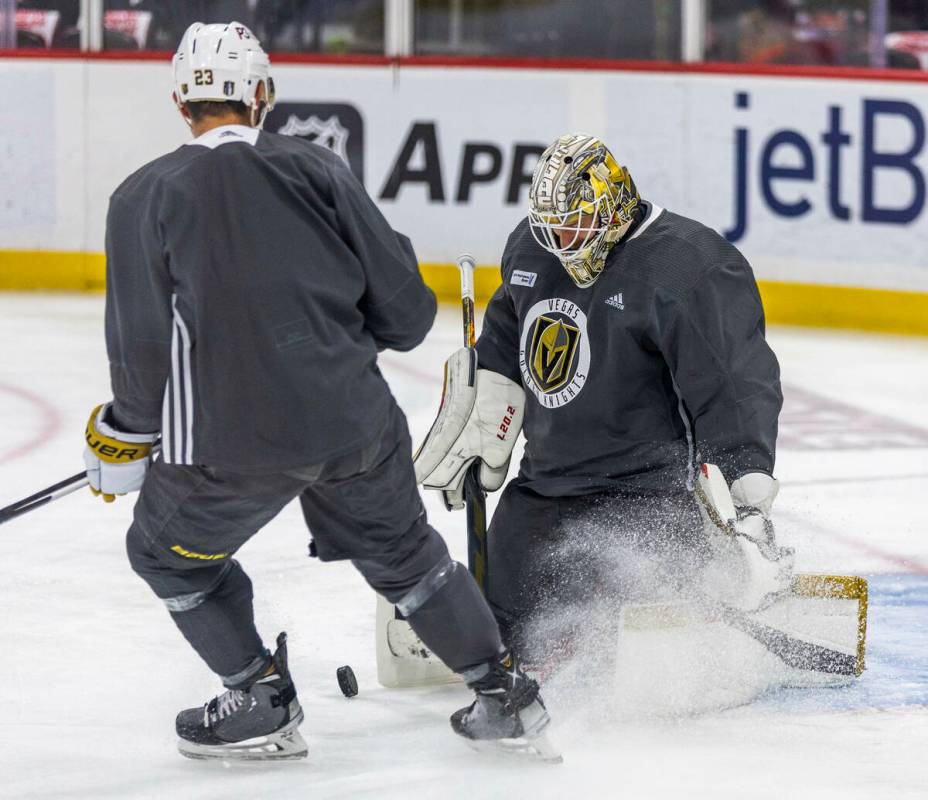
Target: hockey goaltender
(630,341)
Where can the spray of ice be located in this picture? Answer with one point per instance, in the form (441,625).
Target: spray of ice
(601,664)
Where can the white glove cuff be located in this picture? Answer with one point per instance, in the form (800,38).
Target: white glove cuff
(755,490)
(108,430)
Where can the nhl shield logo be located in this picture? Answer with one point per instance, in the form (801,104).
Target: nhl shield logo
(335,126)
(330,133)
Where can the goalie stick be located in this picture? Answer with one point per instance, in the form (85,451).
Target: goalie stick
(475,499)
(713,495)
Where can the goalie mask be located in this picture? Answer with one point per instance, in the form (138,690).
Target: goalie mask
(580,204)
(222,63)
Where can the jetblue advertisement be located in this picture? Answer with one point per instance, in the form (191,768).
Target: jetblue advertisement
(817,180)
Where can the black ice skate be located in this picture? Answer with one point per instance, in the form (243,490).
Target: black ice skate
(258,723)
(508,714)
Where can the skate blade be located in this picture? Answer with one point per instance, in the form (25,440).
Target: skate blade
(534,742)
(538,748)
(283,745)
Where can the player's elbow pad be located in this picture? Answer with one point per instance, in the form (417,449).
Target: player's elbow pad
(480,418)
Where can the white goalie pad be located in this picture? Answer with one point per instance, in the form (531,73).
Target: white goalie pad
(480,417)
(458,395)
(403,660)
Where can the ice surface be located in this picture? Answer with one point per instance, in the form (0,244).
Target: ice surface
(93,671)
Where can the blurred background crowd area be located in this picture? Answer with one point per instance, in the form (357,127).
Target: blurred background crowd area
(855,33)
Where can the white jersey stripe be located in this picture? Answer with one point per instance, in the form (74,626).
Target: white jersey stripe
(186,393)
(176,432)
(177,410)
(690,441)
(167,438)
(177,400)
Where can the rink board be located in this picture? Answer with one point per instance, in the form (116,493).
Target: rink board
(821,181)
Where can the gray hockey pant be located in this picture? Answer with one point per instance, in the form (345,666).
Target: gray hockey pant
(189,522)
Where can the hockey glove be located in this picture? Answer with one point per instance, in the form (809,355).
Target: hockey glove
(480,418)
(116,461)
(750,569)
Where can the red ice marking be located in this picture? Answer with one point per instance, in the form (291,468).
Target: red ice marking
(51,422)
(810,421)
(908,565)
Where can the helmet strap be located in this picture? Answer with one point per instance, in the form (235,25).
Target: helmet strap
(259,108)
(258,112)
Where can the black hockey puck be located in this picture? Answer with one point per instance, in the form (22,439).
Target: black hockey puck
(347,682)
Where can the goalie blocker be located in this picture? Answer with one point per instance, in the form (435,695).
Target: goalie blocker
(480,417)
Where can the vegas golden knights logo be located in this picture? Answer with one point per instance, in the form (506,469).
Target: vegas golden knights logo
(554,351)
(554,348)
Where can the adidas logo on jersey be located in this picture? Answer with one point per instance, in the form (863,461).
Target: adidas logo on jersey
(616,301)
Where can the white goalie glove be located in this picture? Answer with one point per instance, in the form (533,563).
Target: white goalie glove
(749,568)
(480,418)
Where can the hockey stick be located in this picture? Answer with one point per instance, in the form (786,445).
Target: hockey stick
(53,492)
(475,498)
(34,501)
(793,652)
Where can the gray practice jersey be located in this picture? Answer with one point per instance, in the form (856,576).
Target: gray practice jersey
(660,363)
(251,282)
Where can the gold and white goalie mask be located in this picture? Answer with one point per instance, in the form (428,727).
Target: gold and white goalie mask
(580,204)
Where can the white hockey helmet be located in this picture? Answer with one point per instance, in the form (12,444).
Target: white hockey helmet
(221,63)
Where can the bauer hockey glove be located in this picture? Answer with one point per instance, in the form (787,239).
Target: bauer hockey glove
(750,568)
(116,461)
(480,418)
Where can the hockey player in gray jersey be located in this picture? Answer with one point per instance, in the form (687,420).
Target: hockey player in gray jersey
(251,283)
(631,339)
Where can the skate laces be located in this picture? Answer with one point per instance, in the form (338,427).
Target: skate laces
(506,678)
(230,702)
(223,706)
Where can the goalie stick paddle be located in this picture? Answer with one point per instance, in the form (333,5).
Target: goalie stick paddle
(793,652)
(475,499)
